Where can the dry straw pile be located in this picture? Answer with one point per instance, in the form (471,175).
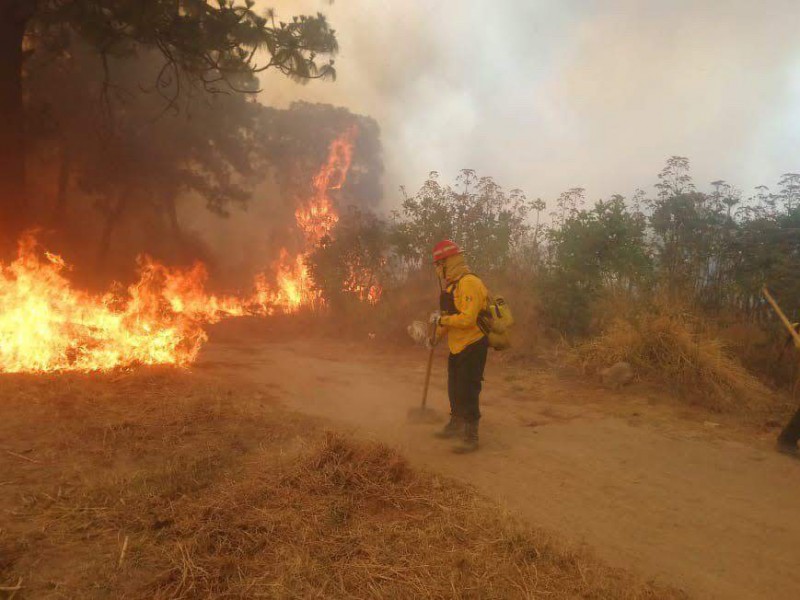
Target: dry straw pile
(671,347)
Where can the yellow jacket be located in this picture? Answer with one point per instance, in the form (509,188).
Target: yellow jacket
(470,297)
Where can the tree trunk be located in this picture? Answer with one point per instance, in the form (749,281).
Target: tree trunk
(172,213)
(14,210)
(112,220)
(65,168)
(178,241)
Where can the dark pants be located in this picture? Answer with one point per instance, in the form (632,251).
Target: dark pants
(791,433)
(464,377)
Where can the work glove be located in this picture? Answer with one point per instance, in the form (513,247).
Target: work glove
(430,341)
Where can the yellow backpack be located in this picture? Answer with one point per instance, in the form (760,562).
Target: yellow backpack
(495,321)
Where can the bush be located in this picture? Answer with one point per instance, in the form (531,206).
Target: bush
(483,219)
(350,266)
(592,252)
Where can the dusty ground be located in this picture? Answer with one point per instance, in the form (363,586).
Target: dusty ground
(675,494)
(163,483)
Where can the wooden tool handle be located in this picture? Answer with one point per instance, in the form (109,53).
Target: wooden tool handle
(430,365)
(781,316)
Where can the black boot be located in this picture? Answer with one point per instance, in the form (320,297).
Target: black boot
(787,440)
(787,448)
(470,441)
(453,429)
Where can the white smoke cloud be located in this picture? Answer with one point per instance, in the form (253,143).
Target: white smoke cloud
(550,95)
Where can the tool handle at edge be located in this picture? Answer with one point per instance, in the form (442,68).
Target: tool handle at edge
(781,315)
(429,367)
(427,377)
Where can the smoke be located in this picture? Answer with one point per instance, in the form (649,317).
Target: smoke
(550,95)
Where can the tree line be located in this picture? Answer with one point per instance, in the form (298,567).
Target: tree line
(713,249)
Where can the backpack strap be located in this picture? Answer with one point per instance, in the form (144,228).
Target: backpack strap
(452,286)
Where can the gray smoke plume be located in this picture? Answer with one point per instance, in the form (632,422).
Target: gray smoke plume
(553,94)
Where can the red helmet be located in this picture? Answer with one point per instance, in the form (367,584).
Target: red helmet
(444,249)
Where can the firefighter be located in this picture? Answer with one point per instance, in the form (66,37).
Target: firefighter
(787,440)
(463,297)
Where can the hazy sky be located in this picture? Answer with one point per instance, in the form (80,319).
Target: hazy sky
(547,95)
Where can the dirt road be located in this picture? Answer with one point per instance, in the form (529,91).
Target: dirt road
(690,503)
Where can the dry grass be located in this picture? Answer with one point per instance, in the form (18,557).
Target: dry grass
(669,346)
(165,485)
(763,351)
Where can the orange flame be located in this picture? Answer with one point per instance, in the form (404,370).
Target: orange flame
(292,289)
(361,282)
(46,325)
(318,217)
(315,220)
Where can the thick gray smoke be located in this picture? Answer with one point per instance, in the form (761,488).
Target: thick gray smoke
(550,95)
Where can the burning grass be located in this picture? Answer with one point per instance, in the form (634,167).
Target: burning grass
(668,346)
(47,325)
(167,485)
